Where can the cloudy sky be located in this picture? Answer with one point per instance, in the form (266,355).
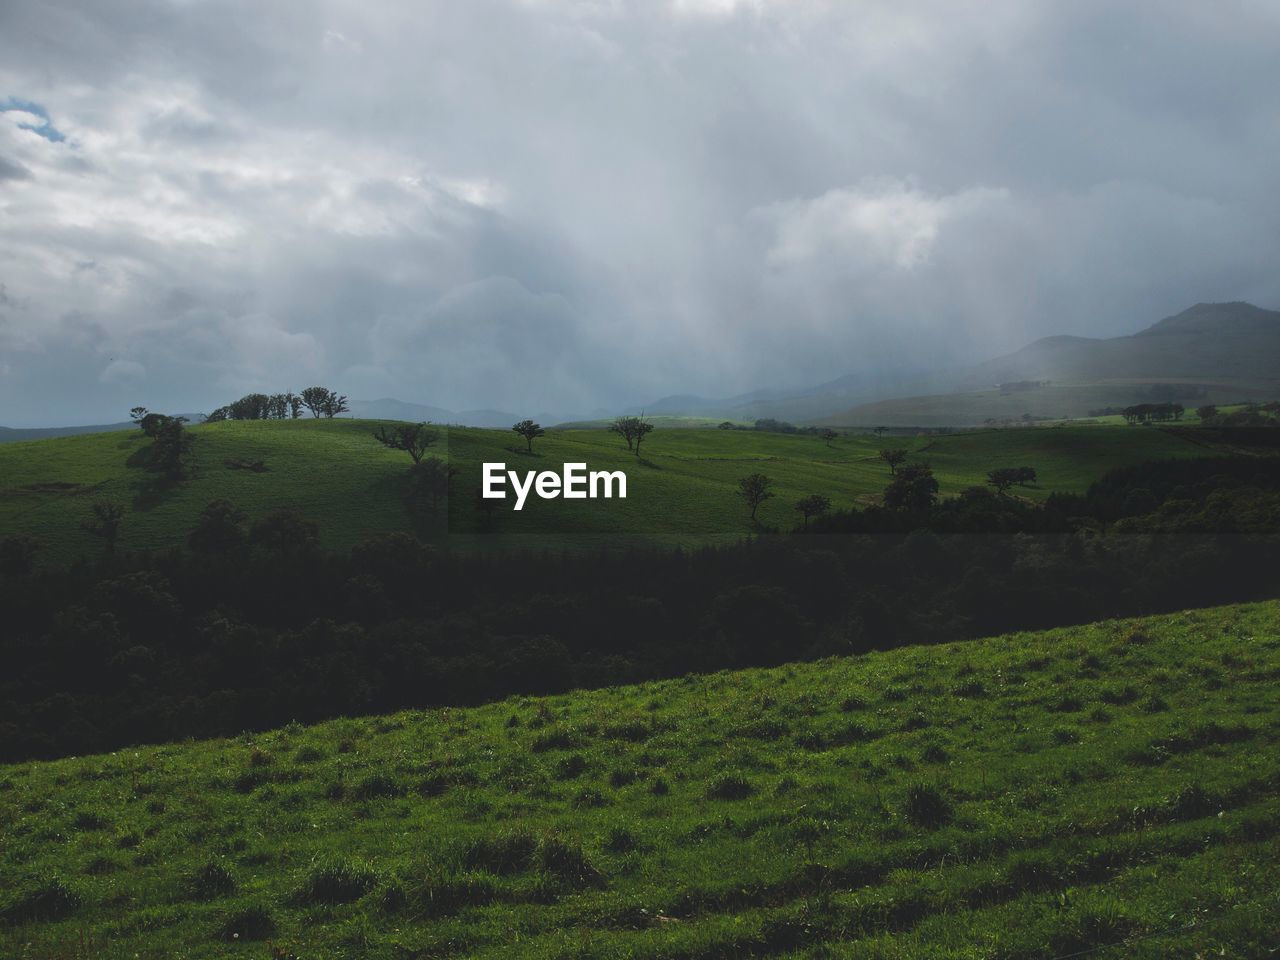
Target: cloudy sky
(546,205)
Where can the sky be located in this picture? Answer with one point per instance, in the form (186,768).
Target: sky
(569,207)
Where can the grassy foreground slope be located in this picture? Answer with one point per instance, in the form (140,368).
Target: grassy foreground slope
(682,489)
(1036,795)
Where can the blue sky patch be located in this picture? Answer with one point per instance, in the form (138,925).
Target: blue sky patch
(45,129)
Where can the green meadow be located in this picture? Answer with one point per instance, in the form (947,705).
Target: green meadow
(681,489)
(1110,789)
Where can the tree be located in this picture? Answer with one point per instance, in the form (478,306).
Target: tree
(632,429)
(253,406)
(137,413)
(879,431)
(1005,477)
(105,523)
(286,531)
(625,428)
(412,438)
(642,429)
(430,479)
(295,404)
(18,555)
(171,446)
(152,423)
(529,430)
(754,489)
(828,436)
(1207,412)
(893,458)
(219,529)
(814,505)
(914,487)
(323,402)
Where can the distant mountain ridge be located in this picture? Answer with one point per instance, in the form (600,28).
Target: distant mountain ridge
(1210,352)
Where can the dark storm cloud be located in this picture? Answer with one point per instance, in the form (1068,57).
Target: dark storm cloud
(543,204)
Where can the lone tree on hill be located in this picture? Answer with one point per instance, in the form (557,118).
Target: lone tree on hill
(643,429)
(814,505)
(430,480)
(893,458)
(171,446)
(829,435)
(754,489)
(323,402)
(412,438)
(105,524)
(1006,477)
(879,431)
(529,430)
(633,430)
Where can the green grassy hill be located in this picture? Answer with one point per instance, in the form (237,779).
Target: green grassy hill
(682,490)
(1112,787)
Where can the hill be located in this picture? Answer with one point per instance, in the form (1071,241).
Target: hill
(681,491)
(1112,788)
(1209,353)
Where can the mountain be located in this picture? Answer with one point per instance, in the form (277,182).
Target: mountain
(9,434)
(1209,353)
(390,409)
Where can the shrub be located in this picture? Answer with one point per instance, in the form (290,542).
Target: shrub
(211,881)
(90,820)
(251,923)
(562,738)
(376,785)
(566,861)
(729,786)
(970,688)
(444,894)
(47,899)
(620,840)
(570,767)
(510,852)
(927,806)
(621,777)
(335,880)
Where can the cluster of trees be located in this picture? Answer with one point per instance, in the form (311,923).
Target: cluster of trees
(1153,412)
(254,625)
(1250,415)
(319,401)
(912,488)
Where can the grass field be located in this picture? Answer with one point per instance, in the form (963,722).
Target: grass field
(1028,796)
(681,491)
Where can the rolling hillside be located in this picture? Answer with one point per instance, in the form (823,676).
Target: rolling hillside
(681,491)
(1111,790)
